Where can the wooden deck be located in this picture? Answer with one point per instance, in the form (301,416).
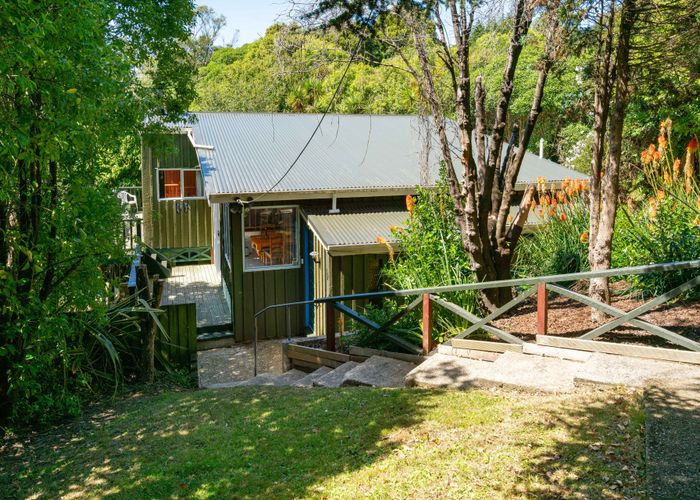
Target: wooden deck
(200,284)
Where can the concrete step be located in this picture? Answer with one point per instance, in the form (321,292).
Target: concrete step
(443,371)
(289,378)
(309,379)
(511,369)
(610,369)
(379,371)
(556,352)
(334,378)
(538,373)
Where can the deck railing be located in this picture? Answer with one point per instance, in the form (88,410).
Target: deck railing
(540,285)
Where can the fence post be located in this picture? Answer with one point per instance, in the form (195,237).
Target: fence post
(427,324)
(330,326)
(542,308)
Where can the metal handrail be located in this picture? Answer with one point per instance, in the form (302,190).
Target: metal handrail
(483,285)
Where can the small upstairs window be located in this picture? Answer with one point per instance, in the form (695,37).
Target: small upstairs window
(178,183)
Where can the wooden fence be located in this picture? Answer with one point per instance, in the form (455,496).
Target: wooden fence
(179,348)
(525,288)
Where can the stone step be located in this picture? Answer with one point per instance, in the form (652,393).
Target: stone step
(444,371)
(334,378)
(379,371)
(309,379)
(261,379)
(222,385)
(610,369)
(289,378)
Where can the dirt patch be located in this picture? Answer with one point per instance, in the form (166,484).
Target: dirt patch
(569,318)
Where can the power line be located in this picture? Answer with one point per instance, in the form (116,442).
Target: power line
(318,125)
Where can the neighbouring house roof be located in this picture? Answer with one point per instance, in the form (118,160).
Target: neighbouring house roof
(355,233)
(248,153)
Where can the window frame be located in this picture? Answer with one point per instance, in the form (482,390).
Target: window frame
(182,184)
(297,236)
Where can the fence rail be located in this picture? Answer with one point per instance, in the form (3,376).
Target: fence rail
(529,286)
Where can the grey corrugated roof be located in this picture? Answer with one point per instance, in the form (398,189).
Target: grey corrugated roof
(252,151)
(355,229)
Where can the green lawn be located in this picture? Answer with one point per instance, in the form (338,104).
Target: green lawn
(327,443)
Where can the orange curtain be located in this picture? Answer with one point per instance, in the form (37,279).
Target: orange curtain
(171,182)
(190,183)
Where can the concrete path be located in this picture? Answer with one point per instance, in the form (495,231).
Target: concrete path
(234,364)
(673,440)
(547,372)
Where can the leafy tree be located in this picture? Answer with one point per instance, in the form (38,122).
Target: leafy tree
(78,76)
(483,194)
(206,30)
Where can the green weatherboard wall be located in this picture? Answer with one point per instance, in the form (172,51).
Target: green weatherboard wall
(164,225)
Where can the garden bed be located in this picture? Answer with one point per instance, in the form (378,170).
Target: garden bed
(569,318)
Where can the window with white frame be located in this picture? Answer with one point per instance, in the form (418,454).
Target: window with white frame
(180,183)
(226,231)
(270,237)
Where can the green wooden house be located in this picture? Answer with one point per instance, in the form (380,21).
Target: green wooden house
(231,191)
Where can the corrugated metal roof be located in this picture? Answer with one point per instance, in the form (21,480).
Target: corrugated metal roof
(339,233)
(355,229)
(252,151)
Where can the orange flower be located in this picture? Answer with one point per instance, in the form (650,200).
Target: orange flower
(693,144)
(660,195)
(584,236)
(657,155)
(510,218)
(390,249)
(662,141)
(645,157)
(677,166)
(409,204)
(533,206)
(651,149)
(563,216)
(554,203)
(551,212)
(545,201)
(540,212)
(667,178)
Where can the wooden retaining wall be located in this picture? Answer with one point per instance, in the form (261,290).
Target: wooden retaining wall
(179,348)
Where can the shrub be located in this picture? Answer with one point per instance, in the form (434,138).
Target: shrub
(666,226)
(559,243)
(431,254)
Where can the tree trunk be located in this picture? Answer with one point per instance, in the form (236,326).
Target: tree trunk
(604,205)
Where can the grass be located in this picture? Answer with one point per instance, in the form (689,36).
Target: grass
(285,442)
